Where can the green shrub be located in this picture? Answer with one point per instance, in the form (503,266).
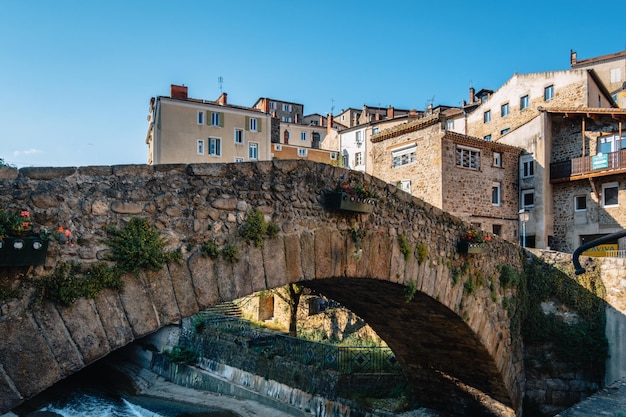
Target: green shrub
(181,355)
(422,253)
(230,253)
(410,290)
(138,246)
(210,249)
(405,246)
(255,228)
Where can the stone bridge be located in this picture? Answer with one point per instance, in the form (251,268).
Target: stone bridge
(457,348)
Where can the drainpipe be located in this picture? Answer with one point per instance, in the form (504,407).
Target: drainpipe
(596,242)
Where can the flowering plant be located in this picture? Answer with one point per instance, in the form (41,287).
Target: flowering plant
(353,188)
(475,236)
(15,223)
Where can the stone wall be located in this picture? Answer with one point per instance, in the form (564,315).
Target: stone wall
(192,204)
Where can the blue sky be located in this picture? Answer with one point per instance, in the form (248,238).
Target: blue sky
(76,77)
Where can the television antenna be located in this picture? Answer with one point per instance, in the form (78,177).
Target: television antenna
(220,81)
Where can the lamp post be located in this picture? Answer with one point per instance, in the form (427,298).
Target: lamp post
(524,216)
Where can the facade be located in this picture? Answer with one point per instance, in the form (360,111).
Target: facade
(284,111)
(185,130)
(513,115)
(287,151)
(588,175)
(470,178)
(610,69)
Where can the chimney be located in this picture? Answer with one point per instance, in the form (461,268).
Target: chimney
(330,124)
(265,105)
(377,117)
(472,97)
(412,115)
(222,100)
(321,120)
(572,57)
(178,91)
(390,112)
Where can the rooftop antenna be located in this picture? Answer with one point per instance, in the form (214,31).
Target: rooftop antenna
(430,101)
(332,107)
(220,80)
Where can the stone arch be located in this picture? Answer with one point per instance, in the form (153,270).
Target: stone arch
(472,354)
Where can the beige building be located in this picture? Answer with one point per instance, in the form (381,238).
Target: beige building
(611,70)
(468,177)
(186,130)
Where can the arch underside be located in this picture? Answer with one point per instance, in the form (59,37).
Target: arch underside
(443,360)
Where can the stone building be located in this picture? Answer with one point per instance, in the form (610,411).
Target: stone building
(513,115)
(611,70)
(471,178)
(587,175)
(187,130)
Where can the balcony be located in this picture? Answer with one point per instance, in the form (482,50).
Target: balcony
(588,166)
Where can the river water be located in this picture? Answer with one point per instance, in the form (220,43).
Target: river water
(99,391)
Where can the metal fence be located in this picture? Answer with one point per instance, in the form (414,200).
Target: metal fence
(264,342)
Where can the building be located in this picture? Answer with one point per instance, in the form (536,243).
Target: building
(587,175)
(513,115)
(187,130)
(284,111)
(471,178)
(610,69)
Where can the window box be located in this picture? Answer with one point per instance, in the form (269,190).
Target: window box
(23,251)
(471,247)
(348,202)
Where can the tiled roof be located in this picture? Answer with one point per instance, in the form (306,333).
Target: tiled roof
(481,143)
(618,114)
(408,127)
(599,59)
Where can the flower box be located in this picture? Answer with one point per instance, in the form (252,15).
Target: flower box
(23,251)
(471,247)
(349,202)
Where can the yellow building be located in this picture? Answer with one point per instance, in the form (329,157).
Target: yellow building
(186,130)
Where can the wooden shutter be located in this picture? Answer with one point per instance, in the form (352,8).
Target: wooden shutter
(208,117)
(258,125)
(247,123)
(221,119)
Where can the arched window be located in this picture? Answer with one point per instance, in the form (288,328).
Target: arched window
(286,137)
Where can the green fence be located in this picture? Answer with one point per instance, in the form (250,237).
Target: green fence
(262,341)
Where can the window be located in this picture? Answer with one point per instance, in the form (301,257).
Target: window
(528,199)
(496,229)
(449,124)
(404,156)
(548,93)
(487,138)
(286,107)
(359,138)
(200,147)
(523,102)
(528,166)
(253,124)
(333,156)
(504,110)
(215,119)
(374,130)
(616,75)
(237,159)
(467,157)
(302,135)
(253,151)
(610,194)
(200,117)
(611,143)
(239,136)
(215,146)
(495,194)
(272,105)
(505,131)
(580,203)
(497,159)
(405,185)
(286,119)
(487,116)
(302,152)
(358,158)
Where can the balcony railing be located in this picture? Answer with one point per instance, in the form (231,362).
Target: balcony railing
(587,165)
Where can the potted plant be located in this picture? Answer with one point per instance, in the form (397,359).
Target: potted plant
(473,241)
(351,195)
(20,245)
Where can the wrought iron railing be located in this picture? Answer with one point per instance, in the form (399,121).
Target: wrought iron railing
(261,341)
(584,165)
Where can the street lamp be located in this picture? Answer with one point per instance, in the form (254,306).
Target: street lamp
(524,216)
